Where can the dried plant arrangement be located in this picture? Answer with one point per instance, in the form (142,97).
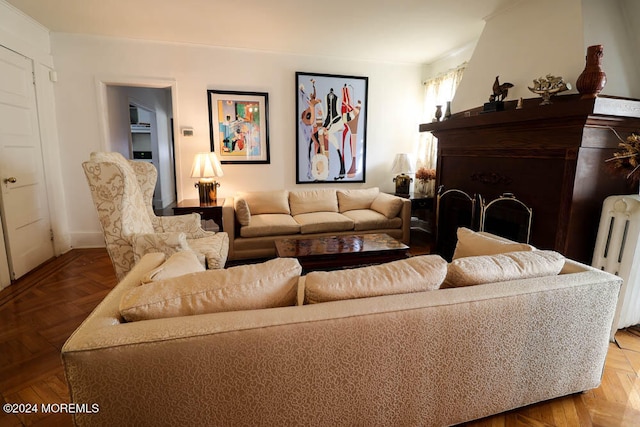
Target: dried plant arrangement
(627,158)
(425,174)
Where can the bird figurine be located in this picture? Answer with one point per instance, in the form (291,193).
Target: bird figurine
(500,91)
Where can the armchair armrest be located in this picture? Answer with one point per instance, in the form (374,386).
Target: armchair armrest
(166,243)
(190,224)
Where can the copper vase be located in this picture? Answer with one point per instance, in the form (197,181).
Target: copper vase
(592,79)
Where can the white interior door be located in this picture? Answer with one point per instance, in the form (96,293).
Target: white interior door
(24,207)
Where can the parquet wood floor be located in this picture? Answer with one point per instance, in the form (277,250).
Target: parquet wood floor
(37,315)
(39,312)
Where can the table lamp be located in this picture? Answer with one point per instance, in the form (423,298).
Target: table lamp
(402,165)
(206,167)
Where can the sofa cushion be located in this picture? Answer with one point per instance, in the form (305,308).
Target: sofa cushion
(323,222)
(477,270)
(267,202)
(349,200)
(302,202)
(387,204)
(270,225)
(241,208)
(270,284)
(416,274)
(367,219)
(471,243)
(178,264)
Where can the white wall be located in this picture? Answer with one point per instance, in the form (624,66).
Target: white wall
(526,42)
(448,62)
(614,24)
(533,39)
(118,119)
(631,14)
(394,105)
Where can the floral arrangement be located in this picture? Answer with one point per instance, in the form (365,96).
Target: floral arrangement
(425,174)
(627,159)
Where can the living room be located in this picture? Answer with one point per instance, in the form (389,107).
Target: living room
(84,63)
(521,41)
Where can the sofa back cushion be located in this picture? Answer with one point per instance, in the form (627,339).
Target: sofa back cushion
(270,284)
(313,201)
(349,200)
(477,270)
(471,243)
(267,202)
(416,274)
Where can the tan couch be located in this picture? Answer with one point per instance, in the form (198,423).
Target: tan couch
(432,358)
(253,220)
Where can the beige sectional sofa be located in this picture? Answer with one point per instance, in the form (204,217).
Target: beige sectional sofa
(379,346)
(253,220)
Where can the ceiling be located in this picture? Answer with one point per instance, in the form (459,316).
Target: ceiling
(412,31)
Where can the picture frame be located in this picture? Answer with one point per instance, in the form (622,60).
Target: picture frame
(239,126)
(331,128)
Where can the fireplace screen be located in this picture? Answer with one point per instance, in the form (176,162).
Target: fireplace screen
(454,209)
(505,216)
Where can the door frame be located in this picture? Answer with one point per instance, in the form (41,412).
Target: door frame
(5,274)
(102,83)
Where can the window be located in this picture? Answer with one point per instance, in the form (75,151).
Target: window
(437,91)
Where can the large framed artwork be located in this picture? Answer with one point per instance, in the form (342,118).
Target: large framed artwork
(331,128)
(239,126)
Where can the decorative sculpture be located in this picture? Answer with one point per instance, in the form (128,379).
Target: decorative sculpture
(500,91)
(592,79)
(549,86)
(496,100)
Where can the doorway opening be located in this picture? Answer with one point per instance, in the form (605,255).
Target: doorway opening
(138,122)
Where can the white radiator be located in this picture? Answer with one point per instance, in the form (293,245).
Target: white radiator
(617,251)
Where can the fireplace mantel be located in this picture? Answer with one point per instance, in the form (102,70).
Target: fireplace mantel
(551,157)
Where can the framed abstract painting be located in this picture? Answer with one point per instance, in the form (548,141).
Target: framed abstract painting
(331,128)
(239,126)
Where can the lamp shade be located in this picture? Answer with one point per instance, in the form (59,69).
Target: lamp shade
(402,164)
(206,165)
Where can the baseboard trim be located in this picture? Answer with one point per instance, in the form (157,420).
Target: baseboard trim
(87,240)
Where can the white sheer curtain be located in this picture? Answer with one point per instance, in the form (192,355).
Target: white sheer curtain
(437,91)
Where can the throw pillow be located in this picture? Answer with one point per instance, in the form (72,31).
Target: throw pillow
(477,270)
(270,284)
(387,204)
(417,274)
(243,214)
(471,243)
(178,264)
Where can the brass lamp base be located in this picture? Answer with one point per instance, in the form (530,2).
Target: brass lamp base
(402,183)
(208,191)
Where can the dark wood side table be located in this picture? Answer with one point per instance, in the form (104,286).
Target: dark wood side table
(211,211)
(422,210)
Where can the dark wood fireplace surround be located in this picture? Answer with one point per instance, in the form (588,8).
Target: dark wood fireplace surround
(551,157)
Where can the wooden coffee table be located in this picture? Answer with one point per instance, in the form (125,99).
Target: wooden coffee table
(326,253)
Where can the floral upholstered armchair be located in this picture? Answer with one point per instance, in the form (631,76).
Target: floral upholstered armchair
(122,192)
